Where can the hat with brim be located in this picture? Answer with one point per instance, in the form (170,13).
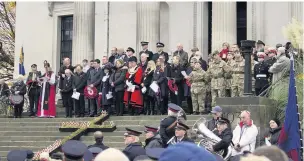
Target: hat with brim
(154,153)
(132,59)
(216,109)
(143,43)
(181,126)
(131,132)
(131,49)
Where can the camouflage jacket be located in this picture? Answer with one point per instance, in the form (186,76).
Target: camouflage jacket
(199,80)
(217,72)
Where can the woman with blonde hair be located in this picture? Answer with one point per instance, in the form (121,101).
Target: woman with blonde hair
(146,82)
(224,51)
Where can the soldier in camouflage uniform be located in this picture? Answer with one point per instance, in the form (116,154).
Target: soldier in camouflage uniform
(198,78)
(228,76)
(216,71)
(237,86)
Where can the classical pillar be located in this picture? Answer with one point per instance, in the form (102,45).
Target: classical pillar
(297,10)
(223,24)
(148,26)
(83,31)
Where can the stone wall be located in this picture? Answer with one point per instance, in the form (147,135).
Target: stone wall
(261,109)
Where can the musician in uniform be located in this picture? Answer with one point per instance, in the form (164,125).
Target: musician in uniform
(144,45)
(181,133)
(19,88)
(160,47)
(133,95)
(67,92)
(153,139)
(224,132)
(216,114)
(261,74)
(167,125)
(134,147)
(33,89)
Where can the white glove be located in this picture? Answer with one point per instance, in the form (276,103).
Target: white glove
(17,92)
(100,93)
(63,75)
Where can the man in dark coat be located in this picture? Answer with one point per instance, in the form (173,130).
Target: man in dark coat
(144,45)
(181,133)
(66,65)
(134,147)
(94,80)
(217,114)
(19,88)
(261,74)
(167,125)
(113,55)
(153,139)
(33,89)
(224,132)
(67,92)
(160,47)
(98,136)
(79,83)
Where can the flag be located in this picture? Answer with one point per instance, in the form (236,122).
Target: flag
(289,139)
(21,61)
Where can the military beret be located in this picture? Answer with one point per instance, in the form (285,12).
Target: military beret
(132,59)
(173,107)
(216,52)
(131,49)
(260,42)
(34,65)
(151,129)
(74,149)
(131,132)
(16,155)
(143,43)
(30,154)
(159,44)
(182,126)
(154,153)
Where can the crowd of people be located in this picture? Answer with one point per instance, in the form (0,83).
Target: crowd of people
(173,140)
(121,82)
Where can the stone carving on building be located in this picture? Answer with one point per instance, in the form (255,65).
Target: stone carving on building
(51,8)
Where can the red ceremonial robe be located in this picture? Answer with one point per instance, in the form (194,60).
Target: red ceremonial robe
(136,98)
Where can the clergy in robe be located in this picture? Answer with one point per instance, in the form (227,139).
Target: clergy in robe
(46,104)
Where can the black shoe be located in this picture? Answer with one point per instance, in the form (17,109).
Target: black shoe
(91,115)
(205,112)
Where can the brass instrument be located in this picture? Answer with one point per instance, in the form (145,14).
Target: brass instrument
(208,138)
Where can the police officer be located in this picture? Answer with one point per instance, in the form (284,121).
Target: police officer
(224,132)
(167,125)
(98,136)
(95,151)
(33,89)
(134,147)
(144,45)
(154,153)
(16,155)
(160,47)
(74,150)
(153,139)
(261,74)
(29,155)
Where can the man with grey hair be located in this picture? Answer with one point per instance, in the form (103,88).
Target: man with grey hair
(66,65)
(182,54)
(98,136)
(67,92)
(281,67)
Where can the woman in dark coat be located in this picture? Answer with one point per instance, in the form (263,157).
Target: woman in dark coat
(106,89)
(274,132)
(160,75)
(187,88)
(177,77)
(149,101)
(117,81)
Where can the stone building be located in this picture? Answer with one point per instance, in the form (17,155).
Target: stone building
(51,30)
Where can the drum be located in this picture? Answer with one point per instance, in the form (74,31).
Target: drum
(90,92)
(16,99)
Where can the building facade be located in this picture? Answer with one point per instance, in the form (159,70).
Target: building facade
(87,30)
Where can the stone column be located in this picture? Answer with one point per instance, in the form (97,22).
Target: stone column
(297,10)
(83,31)
(223,24)
(148,27)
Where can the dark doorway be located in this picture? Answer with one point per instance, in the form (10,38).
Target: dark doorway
(66,38)
(241,18)
(209,26)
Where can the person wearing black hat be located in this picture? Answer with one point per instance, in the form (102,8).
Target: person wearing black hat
(153,139)
(133,96)
(144,45)
(167,125)
(134,147)
(260,46)
(74,150)
(224,132)
(181,133)
(17,155)
(160,47)
(272,135)
(30,155)
(261,74)
(33,89)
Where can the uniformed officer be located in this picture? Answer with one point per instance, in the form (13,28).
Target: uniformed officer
(167,125)
(181,133)
(153,139)
(95,151)
(160,47)
(144,45)
(74,150)
(33,89)
(134,147)
(261,74)
(224,132)
(16,155)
